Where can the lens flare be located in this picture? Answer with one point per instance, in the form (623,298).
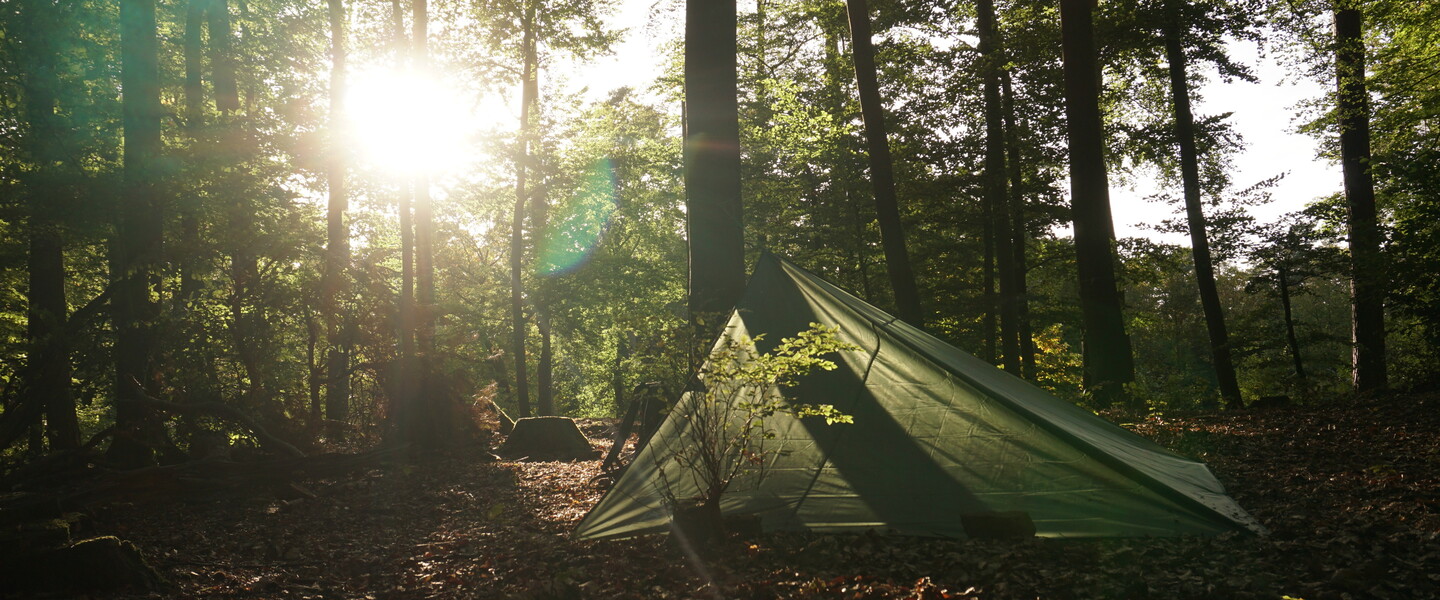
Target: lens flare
(578,223)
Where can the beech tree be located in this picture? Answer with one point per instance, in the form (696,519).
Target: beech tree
(714,208)
(1108,360)
(882,172)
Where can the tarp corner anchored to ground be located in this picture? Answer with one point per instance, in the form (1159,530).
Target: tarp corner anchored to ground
(937,434)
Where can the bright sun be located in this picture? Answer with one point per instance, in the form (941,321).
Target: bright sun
(405,122)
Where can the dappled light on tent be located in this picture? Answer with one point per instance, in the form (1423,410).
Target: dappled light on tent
(577,223)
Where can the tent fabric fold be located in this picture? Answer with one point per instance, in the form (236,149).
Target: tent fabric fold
(937,434)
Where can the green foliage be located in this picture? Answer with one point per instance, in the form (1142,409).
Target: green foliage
(726,422)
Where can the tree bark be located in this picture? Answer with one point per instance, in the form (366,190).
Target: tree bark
(1195,216)
(189,209)
(995,184)
(424,210)
(137,244)
(528,93)
(222,60)
(544,372)
(1290,338)
(1367,267)
(47,370)
(406,307)
(1107,354)
(1018,230)
(337,232)
(882,174)
(714,209)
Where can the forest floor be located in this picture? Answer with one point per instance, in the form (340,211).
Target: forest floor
(1349,492)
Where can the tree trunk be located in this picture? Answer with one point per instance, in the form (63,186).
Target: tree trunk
(544,371)
(835,75)
(714,210)
(406,308)
(1018,230)
(424,210)
(190,281)
(990,339)
(407,271)
(1367,268)
(1195,217)
(48,360)
(528,93)
(337,232)
(137,244)
(222,61)
(1107,354)
(995,184)
(1290,338)
(882,175)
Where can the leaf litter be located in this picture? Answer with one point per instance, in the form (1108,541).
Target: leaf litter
(1348,491)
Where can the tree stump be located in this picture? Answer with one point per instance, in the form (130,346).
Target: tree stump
(547,438)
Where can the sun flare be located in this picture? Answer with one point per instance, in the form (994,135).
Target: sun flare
(407,122)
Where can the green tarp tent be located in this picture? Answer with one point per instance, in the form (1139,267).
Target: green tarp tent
(937,435)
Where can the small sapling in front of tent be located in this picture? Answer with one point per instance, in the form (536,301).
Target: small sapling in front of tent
(728,421)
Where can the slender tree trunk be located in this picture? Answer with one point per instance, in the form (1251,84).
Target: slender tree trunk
(995,184)
(406,308)
(407,271)
(528,93)
(714,210)
(247,324)
(222,60)
(1018,230)
(190,281)
(1290,338)
(1195,217)
(882,174)
(835,75)
(424,210)
(1107,354)
(990,339)
(337,232)
(617,369)
(545,398)
(1367,267)
(137,245)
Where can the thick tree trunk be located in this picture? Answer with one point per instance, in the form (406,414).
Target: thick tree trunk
(528,93)
(1018,230)
(1195,218)
(1367,268)
(714,210)
(337,232)
(1107,354)
(882,174)
(137,244)
(49,347)
(995,185)
(48,360)
(1291,339)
